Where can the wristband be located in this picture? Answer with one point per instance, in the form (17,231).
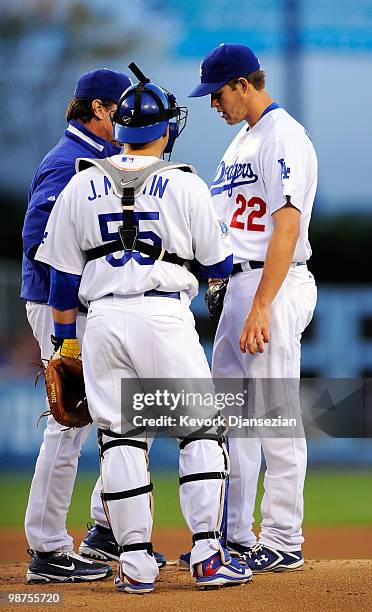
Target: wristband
(65,330)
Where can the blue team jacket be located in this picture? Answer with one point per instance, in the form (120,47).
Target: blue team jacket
(52,175)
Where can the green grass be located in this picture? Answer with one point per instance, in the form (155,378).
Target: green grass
(338,498)
(331,498)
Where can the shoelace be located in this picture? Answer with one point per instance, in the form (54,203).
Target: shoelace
(71,554)
(254,550)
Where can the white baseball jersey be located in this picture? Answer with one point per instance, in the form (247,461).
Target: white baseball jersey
(175,211)
(263,165)
(260,168)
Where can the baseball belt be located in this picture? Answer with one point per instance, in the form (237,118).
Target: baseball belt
(254,265)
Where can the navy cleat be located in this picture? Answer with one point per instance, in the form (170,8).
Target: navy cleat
(220,570)
(160,559)
(99,543)
(184,560)
(128,585)
(64,567)
(263,558)
(238,550)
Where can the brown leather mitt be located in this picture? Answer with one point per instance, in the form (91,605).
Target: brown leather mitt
(64,383)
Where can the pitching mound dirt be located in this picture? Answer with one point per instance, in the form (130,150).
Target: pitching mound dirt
(321,585)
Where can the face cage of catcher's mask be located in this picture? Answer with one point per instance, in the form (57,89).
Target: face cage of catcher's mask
(180,124)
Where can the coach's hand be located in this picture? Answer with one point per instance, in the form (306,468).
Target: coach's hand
(255,332)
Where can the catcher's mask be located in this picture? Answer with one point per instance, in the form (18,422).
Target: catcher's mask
(144,113)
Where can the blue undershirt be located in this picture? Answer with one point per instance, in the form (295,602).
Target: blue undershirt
(222,269)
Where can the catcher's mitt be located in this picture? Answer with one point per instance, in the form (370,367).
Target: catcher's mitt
(214,298)
(64,383)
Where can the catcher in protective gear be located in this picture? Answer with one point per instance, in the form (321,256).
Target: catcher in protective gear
(64,383)
(214,298)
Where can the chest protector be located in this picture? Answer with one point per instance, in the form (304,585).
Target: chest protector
(127,185)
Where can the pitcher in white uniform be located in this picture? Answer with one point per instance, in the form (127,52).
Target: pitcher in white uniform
(264,190)
(139,324)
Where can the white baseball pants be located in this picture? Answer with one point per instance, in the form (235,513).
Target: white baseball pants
(56,466)
(147,337)
(282,504)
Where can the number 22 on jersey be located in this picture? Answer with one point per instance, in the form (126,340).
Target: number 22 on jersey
(258,207)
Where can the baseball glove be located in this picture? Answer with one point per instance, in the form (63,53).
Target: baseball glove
(64,383)
(214,298)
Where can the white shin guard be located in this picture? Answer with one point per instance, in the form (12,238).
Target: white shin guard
(203,469)
(127,499)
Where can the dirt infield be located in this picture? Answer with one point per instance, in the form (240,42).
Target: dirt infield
(329,585)
(321,585)
(320,542)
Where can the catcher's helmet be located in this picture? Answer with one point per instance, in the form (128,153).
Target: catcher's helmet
(144,113)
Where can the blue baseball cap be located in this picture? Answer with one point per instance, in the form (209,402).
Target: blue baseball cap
(223,64)
(102,84)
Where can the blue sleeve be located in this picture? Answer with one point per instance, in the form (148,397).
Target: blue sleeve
(222,269)
(64,290)
(45,189)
